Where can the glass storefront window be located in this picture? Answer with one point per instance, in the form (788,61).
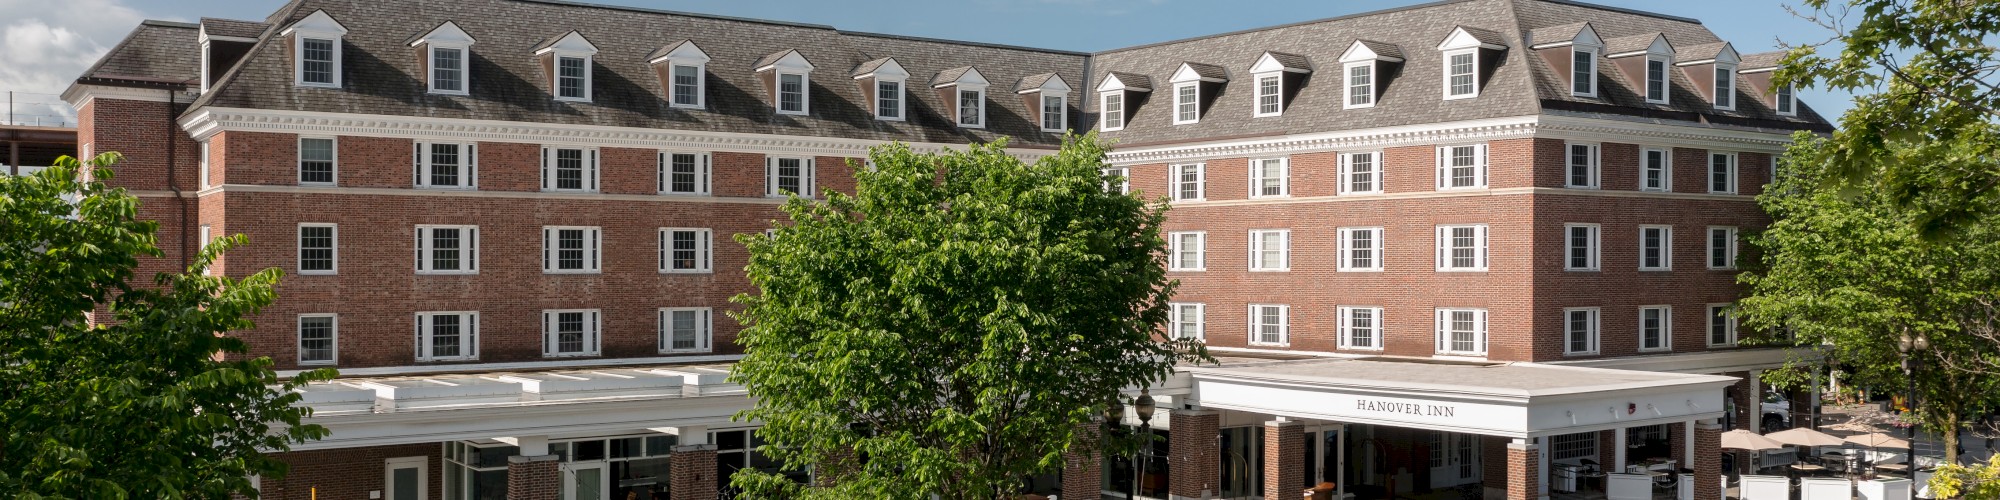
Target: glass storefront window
(1243,462)
(476,472)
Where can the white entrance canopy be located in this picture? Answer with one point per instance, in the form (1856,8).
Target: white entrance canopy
(1517,400)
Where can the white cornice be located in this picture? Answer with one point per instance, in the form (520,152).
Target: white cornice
(1537,126)
(211,120)
(78,95)
(467,193)
(1463,193)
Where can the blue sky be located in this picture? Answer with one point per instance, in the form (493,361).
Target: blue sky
(44,44)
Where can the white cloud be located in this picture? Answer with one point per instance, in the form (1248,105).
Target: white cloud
(45,45)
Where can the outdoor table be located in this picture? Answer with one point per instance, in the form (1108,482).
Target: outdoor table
(1808,469)
(1896,468)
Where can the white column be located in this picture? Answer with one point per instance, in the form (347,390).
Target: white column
(692,434)
(1756,410)
(1542,462)
(531,446)
(1617,451)
(1687,432)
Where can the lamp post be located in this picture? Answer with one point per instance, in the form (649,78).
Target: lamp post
(1910,345)
(1143,406)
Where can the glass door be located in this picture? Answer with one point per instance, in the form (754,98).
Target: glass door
(1325,447)
(585,480)
(1454,459)
(406,478)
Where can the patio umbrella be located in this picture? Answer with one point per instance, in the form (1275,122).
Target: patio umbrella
(1878,440)
(1801,436)
(1745,440)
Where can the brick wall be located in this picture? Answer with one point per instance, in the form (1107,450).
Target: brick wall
(534,478)
(155,150)
(1523,471)
(1082,474)
(1194,453)
(692,472)
(1707,461)
(348,472)
(1284,459)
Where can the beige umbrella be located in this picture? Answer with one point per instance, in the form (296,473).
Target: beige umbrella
(1878,440)
(1801,436)
(1745,440)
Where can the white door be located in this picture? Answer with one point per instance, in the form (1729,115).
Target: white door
(406,478)
(586,481)
(1454,459)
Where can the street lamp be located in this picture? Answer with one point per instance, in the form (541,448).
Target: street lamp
(1143,406)
(1910,345)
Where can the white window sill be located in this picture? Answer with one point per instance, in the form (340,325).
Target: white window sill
(318,273)
(1360,270)
(1361,106)
(317,85)
(1352,348)
(568,354)
(578,191)
(1657,349)
(1190,199)
(1450,97)
(1187,269)
(571,271)
(448,273)
(450,188)
(319,184)
(1377,192)
(687,351)
(1055,130)
(1281,270)
(1581,354)
(1573,186)
(687,195)
(792,113)
(1110,129)
(318,363)
(436,360)
(687,106)
(1266,344)
(1654,190)
(1722,346)
(449,92)
(1655,269)
(1270,196)
(1459,356)
(1583,270)
(572,99)
(685,271)
(1461,269)
(1462,188)
(1730,268)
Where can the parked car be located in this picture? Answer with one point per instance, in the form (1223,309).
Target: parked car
(1776,412)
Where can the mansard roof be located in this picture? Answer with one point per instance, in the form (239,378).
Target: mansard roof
(232,28)
(157,53)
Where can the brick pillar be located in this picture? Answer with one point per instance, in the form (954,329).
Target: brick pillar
(1284,459)
(1194,454)
(1745,408)
(1083,464)
(1524,464)
(1677,443)
(534,478)
(1707,461)
(691,468)
(1607,454)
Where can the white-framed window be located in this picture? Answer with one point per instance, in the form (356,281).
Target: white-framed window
(319,61)
(203,238)
(1118,180)
(1722,173)
(1656,247)
(448,70)
(1787,102)
(1361,173)
(571,332)
(445,166)
(788,176)
(1580,335)
(1584,167)
(889,100)
(971,108)
(1721,325)
(1461,74)
(1725,86)
(1187,103)
(1360,85)
(407,474)
(1360,249)
(447,336)
(1189,250)
(1190,181)
(1270,324)
(569,169)
(1461,167)
(1360,328)
(1271,250)
(690,82)
(684,173)
(686,250)
(319,248)
(573,78)
(1112,106)
(447,249)
(319,339)
(1657,88)
(1187,321)
(1581,251)
(1461,247)
(318,161)
(1270,177)
(1656,170)
(686,329)
(793,93)
(205,165)
(1461,332)
(1656,328)
(1055,113)
(1573,446)
(572,249)
(1721,247)
(1583,71)
(1270,95)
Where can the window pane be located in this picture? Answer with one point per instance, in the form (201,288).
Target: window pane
(445,249)
(1052,112)
(1464,247)
(316,160)
(1268,96)
(317,56)
(444,165)
(1361,85)
(316,339)
(790,175)
(682,171)
(447,69)
(791,93)
(1725,88)
(687,85)
(1582,65)
(569,249)
(569,169)
(1464,166)
(1656,80)
(1462,72)
(1184,101)
(570,75)
(1114,111)
(1361,171)
(446,337)
(889,100)
(315,248)
(569,332)
(969,108)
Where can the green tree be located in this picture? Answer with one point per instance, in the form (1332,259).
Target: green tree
(1847,272)
(142,403)
(1922,129)
(946,329)
(1978,482)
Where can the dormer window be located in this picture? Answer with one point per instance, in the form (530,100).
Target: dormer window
(1114,105)
(788,75)
(1270,95)
(1114,111)
(1583,71)
(965,89)
(446,52)
(1360,66)
(1725,87)
(1712,70)
(1645,59)
(316,44)
(889,100)
(882,88)
(1269,75)
(972,108)
(1571,50)
(683,70)
(792,93)
(1787,102)
(568,60)
(1188,82)
(1656,80)
(573,78)
(1053,113)
(1461,50)
(1187,103)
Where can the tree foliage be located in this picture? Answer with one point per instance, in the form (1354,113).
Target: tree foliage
(139,404)
(947,328)
(1973,482)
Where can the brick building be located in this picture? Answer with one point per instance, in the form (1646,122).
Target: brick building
(1462,243)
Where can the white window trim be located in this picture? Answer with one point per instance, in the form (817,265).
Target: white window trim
(1124,175)
(1666,247)
(593,333)
(299,166)
(704,250)
(902,99)
(1174,322)
(1444,248)
(1708,324)
(205,165)
(593,250)
(1103,103)
(469,251)
(1257,248)
(421,464)
(1446,81)
(1732,173)
(805,92)
(1593,331)
(1442,317)
(1709,256)
(808,175)
(469,349)
(205,236)
(299,335)
(1666,170)
(591,174)
(464,68)
(704,331)
(1284,325)
(1284,179)
(1345,315)
(1783,95)
(704,173)
(555,75)
(468,165)
(299,58)
(300,258)
(1062,119)
(1666,79)
(1200,181)
(1347,89)
(1345,258)
(700,83)
(1257,94)
(1175,249)
(1724,69)
(958,106)
(1479,167)
(1196,85)
(1596,262)
(1347,173)
(1594,63)
(1596,166)
(1666,328)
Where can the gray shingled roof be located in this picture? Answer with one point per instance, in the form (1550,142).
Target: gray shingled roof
(1761,60)
(772,58)
(667,49)
(1136,80)
(1485,35)
(1032,82)
(950,75)
(1296,61)
(1698,52)
(1383,48)
(1556,34)
(1634,43)
(232,27)
(869,66)
(1208,70)
(155,52)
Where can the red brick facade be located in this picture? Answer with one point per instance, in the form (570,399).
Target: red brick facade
(1083,465)
(1195,456)
(692,472)
(1284,459)
(1707,461)
(1523,471)
(348,472)
(534,478)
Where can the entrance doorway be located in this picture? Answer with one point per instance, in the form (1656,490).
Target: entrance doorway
(585,480)
(1454,459)
(1325,449)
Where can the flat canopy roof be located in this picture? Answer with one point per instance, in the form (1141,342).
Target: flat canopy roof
(1466,377)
